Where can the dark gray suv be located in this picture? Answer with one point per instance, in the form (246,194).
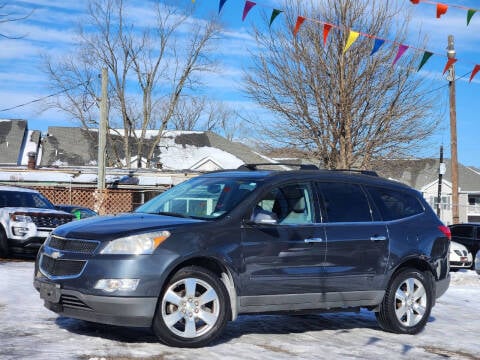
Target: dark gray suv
(251,241)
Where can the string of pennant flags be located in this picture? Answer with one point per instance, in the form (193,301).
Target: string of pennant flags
(442,8)
(377,41)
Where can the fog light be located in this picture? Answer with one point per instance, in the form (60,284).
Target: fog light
(20,231)
(111,285)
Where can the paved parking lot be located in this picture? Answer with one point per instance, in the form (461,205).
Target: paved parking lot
(28,330)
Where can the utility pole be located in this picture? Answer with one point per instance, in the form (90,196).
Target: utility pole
(102,132)
(441,172)
(453,130)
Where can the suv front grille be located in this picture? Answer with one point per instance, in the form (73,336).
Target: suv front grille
(50,221)
(61,268)
(73,245)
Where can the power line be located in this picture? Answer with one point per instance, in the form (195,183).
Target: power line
(45,97)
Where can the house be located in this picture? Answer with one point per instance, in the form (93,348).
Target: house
(423,175)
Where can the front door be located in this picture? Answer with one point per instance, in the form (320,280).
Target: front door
(283,244)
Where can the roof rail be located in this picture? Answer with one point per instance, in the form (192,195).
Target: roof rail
(364,172)
(251,167)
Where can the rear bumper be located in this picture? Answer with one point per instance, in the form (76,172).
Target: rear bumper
(113,310)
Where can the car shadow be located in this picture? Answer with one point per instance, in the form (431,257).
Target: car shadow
(244,325)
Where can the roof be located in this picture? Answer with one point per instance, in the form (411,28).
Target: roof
(178,150)
(12,137)
(327,175)
(418,173)
(16,188)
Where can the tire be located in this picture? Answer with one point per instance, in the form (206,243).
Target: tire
(4,251)
(192,309)
(407,303)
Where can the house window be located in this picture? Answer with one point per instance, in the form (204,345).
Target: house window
(444,204)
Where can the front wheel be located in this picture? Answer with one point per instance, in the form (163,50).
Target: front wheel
(192,309)
(407,303)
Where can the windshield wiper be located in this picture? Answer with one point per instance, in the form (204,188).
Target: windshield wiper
(167,213)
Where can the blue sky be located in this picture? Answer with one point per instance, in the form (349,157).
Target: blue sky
(51,30)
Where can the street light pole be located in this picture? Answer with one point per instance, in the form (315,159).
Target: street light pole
(453,131)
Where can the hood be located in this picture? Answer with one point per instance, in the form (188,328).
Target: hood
(30,210)
(105,228)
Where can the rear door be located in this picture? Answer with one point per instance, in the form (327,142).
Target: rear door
(357,241)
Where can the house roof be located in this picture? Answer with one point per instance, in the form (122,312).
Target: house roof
(12,137)
(177,150)
(418,173)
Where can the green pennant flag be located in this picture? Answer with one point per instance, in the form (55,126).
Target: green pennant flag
(470,13)
(275,13)
(425,58)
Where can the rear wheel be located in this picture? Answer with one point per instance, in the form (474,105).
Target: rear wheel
(4,252)
(192,310)
(407,303)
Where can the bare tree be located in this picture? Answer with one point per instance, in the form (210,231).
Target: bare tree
(200,114)
(150,68)
(7,16)
(344,108)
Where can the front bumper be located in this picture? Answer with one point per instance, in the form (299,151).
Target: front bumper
(113,310)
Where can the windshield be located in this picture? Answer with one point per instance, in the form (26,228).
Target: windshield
(24,199)
(201,198)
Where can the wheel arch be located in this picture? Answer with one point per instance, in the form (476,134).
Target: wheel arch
(218,268)
(421,264)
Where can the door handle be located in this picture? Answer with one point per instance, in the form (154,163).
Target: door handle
(378,238)
(314,240)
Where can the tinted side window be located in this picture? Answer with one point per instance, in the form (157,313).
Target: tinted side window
(345,202)
(395,204)
(462,231)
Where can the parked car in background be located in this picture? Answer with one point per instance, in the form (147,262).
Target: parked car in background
(459,257)
(26,219)
(80,212)
(467,234)
(251,241)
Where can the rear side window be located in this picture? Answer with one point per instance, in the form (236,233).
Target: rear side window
(462,231)
(395,205)
(345,202)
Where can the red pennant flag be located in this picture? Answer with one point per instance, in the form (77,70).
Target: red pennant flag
(441,9)
(326,30)
(476,69)
(299,23)
(248,6)
(415,2)
(450,62)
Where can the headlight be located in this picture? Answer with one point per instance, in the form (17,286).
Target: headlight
(21,218)
(136,244)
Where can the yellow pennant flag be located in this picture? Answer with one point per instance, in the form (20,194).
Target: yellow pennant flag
(352,36)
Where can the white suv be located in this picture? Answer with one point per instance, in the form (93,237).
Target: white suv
(26,219)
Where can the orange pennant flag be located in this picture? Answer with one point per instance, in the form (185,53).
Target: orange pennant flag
(476,69)
(450,62)
(299,23)
(441,9)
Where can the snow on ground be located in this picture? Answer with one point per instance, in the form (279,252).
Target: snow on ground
(28,330)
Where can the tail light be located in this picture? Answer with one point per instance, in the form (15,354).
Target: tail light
(446,231)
